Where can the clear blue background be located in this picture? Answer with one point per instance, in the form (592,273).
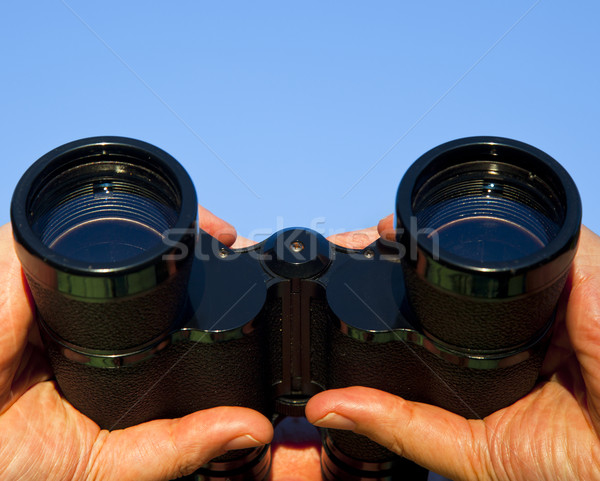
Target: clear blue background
(304,113)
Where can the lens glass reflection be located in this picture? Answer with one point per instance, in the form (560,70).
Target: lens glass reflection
(104,212)
(487,239)
(487,216)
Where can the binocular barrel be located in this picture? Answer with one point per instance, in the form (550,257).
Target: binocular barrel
(145,316)
(89,219)
(492,226)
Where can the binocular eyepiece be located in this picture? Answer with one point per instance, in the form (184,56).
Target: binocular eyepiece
(146,316)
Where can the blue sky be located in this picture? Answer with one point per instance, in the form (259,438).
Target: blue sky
(301,114)
(306,113)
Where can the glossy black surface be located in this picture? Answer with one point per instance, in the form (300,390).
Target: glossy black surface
(144,317)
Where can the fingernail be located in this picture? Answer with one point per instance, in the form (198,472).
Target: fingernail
(335,421)
(242,442)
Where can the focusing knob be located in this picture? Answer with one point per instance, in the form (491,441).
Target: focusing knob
(296,253)
(291,406)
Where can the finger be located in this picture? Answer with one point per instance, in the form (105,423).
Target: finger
(242,242)
(168,449)
(15,314)
(583,318)
(560,349)
(588,251)
(430,436)
(357,239)
(221,230)
(386,228)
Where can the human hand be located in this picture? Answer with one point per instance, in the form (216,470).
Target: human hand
(43,437)
(550,434)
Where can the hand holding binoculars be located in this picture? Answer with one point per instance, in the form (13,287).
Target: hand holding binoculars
(145,316)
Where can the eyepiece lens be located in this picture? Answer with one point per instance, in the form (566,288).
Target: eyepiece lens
(105,238)
(487,212)
(487,239)
(104,211)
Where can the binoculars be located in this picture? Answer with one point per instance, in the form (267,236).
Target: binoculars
(146,316)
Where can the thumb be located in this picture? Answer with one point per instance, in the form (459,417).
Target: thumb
(428,435)
(221,230)
(385,227)
(170,448)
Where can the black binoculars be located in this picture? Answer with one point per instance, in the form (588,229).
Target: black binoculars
(146,316)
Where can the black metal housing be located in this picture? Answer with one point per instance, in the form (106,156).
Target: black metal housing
(186,323)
